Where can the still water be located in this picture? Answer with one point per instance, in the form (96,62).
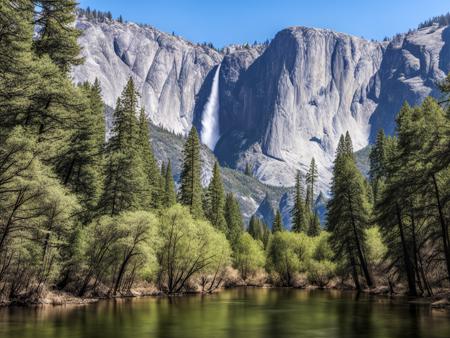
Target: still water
(238,313)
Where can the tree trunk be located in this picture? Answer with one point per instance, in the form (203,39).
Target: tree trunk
(444,228)
(409,269)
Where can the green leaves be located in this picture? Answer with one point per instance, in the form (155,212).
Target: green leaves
(191,188)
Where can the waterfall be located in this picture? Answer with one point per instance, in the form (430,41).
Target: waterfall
(210,116)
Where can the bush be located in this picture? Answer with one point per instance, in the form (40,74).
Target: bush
(321,272)
(288,254)
(189,247)
(249,256)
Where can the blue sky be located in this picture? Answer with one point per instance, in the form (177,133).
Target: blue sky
(233,21)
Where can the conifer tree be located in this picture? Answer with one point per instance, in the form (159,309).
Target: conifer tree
(216,200)
(170,196)
(311,179)
(233,218)
(348,211)
(80,164)
(277,223)
(298,212)
(18,75)
(151,189)
(57,35)
(191,188)
(314,225)
(125,175)
(255,228)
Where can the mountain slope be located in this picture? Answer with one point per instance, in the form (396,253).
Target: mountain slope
(279,104)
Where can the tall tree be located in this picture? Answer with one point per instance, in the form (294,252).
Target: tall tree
(58,36)
(80,163)
(170,196)
(299,213)
(191,188)
(216,200)
(152,186)
(233,218)
(311,180)
(125,175)
(347,211)
(277,223)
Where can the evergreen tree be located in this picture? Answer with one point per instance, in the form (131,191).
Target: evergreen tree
(277,223)
(377,162)
(216,200)
(152,192)
(170,196)
(347,211)
(311,179)
(57,35)
(125,175)
(191,188)
(233,219)
(298,212)
(18,76)
(80,164)
(255,228)
(314,226)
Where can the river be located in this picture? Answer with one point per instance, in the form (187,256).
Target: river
(237,313)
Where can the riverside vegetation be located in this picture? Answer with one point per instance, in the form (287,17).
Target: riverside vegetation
(90,217)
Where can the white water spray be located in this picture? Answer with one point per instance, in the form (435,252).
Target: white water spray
(210,116)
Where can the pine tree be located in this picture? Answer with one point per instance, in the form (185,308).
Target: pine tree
(125,174)
(18,75)
(314,225)
(233,218)
(347,211)
(255,228)
(277,223)
(216,200)
(80,164)
(57,35)
(311,179)
(377,163)
(298,212)
(170,196)
(191,188)
(152,193)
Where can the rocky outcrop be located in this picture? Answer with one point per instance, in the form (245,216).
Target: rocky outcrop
(168,71)
(280,103)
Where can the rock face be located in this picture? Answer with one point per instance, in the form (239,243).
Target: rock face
(168,70)
(281,103)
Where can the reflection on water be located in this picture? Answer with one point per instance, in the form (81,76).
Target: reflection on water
(249,313)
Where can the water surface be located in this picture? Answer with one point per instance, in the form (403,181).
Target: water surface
(238,313)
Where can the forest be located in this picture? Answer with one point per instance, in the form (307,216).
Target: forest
(96,216)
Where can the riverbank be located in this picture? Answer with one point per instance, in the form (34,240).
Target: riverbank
(440,300)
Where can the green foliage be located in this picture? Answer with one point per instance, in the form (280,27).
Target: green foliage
(277,223)
(152,175)
(233,219)
(170,196)
(188,247)
(376,248)
(299,212)
(216,201)
(288,254)
(191,188)
(80,163)
(320,273)
(259,230)
(249,256)
(57,36)
(348,210)
(311,180)
(126,185)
